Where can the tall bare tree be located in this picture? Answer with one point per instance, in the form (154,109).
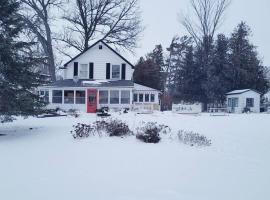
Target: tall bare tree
(208,16)
(117,22)
(37,15)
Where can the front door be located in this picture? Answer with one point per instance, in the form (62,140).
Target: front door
(91,101)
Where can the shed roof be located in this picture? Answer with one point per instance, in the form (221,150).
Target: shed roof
(139,87)
(241,91)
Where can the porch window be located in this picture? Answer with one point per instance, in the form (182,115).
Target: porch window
(152,98)
(250,102)
(103,97)
(57,96)
(44,95)
(80,97)
(84,71)
(69,97)
(135,97)
(114,97)
(125,97)
(140,97)
(146,97)
(116,71)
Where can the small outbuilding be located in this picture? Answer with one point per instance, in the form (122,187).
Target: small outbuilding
(247,100)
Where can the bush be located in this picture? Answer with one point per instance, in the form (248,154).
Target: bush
(82,131)
(110,128)
(149,132)
(73,113)
(193,139)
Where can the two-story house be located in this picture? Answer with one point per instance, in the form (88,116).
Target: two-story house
(99,77)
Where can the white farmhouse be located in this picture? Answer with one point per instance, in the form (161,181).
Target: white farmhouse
(99,77)
(240,100)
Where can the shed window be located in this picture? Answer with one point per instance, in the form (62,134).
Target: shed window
(103,97)
(69,97)
(116,71)
(57,96)
(125,97)
(80,97)
(135,97)
(152,98)
(114,96)
(146,97)
(250,102)
(140,97)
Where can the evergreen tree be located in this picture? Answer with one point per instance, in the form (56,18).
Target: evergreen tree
(17,79)
(247,69)
(219,74)
(148,71)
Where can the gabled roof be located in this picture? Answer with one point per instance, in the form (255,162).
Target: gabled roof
(91,83)
(241,91)
(65,65)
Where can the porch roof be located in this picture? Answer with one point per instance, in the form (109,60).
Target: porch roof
(91,83)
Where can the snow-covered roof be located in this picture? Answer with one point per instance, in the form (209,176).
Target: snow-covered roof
(139,87)
(241,91)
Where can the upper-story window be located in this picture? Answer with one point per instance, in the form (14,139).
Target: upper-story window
(116,71)
(83,71)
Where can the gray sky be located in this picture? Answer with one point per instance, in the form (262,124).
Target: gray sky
(161,20)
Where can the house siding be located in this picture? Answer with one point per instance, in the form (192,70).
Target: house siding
(99,58)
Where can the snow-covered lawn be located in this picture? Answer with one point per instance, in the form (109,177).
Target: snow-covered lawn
(46,163)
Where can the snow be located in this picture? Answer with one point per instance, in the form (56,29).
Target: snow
(95,82)
(139,87)
(238,91)
(47,163)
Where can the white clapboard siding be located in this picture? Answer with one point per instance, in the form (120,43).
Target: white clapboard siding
(99,57)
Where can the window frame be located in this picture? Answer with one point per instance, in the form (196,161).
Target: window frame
(107,102)
(86,71)
(251,103)
(147,100)
(141,97)
(125,98)
(67,99)
(135,94)
(152,100)
(57,96)
(111,97)
(112,72)
(81,99)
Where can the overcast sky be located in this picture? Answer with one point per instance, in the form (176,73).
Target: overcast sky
(161,20)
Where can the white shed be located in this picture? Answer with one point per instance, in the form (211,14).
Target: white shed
(240,100)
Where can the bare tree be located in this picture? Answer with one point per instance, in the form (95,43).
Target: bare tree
(37,16)
(117,22)
(208,17)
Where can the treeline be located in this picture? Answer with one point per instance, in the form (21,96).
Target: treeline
(204,72)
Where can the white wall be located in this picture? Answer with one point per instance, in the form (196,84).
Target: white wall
(99,58)
(242,101)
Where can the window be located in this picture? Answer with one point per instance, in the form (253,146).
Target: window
(57,96)
(146,97)
(83,71)
(80,97)
(69,97)
(103,97)
(114,97)
(116,71)
(125,97)
(229,102)
(152,98)
(250,102)
(135,97)
(100,47)
(233,102)
(44,95)
(140,97)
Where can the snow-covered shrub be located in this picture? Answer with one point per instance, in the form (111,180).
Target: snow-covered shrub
(117,128)
(82,131)
(149,132)
(73,113)
(193,139)
(111,127)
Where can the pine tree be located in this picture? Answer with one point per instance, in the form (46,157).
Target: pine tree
(247,69)
(17,78)
(218,83)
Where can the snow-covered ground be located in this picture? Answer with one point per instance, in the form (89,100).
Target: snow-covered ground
(46,163)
